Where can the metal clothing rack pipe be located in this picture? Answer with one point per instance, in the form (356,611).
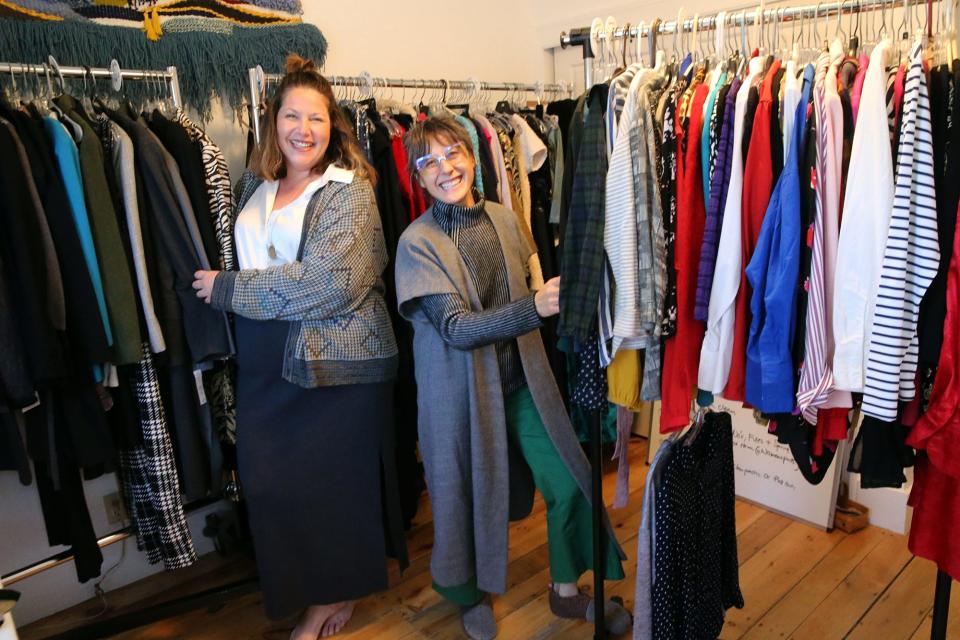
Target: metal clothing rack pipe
(258,81)
(169,74)
(582,36)
(105,541)
(744,17)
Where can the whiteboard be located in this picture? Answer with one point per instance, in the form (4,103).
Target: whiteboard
(765,472)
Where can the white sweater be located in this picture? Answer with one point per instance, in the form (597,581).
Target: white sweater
(717,349)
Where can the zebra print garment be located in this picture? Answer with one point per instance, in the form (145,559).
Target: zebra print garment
(219,192)
(220,196)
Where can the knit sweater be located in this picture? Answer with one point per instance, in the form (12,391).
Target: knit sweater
(332,294)
(500,321)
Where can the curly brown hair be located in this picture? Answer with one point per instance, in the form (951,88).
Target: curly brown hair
(343,149)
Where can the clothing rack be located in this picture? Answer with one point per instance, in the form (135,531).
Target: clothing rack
(738,18)
(211,597)
(51,68)
(259,81)
(115,73)
(584,37)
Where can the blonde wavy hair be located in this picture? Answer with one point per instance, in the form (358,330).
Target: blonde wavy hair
(343,149)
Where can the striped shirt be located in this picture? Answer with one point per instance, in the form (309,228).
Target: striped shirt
(616,101)
(621,241)
(910,259)
(816,387)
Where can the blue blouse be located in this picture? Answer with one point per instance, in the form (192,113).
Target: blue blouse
(773,271)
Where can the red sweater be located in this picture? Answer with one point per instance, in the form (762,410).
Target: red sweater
(412,192)
(757,187)
(681,352)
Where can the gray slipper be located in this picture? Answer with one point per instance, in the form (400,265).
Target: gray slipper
(478,620)
(616,618)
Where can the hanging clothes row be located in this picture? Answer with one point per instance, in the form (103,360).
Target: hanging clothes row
(687,567)
(519,159)
(111,362)
(512,148)
(781,228)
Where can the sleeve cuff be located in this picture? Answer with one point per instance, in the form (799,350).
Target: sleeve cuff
(531,318)
(222,296)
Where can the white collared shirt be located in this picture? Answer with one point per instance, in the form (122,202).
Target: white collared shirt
(260,227)
(867,209)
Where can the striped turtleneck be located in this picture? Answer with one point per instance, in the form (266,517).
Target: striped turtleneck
(499,321)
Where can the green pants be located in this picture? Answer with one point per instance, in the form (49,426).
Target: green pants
(569,515)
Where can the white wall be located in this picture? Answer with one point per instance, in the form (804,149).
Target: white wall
(56,589)
(491,41)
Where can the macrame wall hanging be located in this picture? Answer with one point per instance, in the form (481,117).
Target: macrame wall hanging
(211,42)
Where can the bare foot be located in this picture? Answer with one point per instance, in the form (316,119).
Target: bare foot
(338,620)
(312,621)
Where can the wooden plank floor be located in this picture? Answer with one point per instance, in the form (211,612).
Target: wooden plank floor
(798,582)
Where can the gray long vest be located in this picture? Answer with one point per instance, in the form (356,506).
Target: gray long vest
(477,482)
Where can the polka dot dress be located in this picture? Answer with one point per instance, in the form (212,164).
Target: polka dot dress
(695,560)
(590,392)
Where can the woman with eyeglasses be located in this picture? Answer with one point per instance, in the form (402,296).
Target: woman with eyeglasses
(316,359)
(492,422)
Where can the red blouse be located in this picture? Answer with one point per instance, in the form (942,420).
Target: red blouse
(757,187)
(935,497)
(681,352)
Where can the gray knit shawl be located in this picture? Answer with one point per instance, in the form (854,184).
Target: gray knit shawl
(477,482)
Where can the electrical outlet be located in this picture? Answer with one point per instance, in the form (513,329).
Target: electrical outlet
(113,504)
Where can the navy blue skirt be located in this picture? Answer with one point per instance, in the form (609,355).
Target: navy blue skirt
(309,463)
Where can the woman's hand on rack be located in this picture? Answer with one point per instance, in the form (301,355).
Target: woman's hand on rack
(203,284)
(548,298)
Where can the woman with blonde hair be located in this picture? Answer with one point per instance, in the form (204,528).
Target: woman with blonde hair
(316,358)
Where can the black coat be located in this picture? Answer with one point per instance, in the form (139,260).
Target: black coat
(22,254)
(206,329)
(190,161)
(85,330)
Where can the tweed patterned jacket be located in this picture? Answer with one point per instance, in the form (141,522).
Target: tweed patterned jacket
(332,295)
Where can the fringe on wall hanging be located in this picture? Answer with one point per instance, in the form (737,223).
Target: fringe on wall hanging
(210,62)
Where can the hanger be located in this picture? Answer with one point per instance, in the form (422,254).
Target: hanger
(854,44)
(795,38)
(903,31)
(659,57)
(758,25)
(743,34)
(609,50)
(653,37)
(695,39)
(74,128)
(11,93)
(730,44)
(838,32)
(623,51)
(697,425)
(778,33)
(677,26)
(89,93)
